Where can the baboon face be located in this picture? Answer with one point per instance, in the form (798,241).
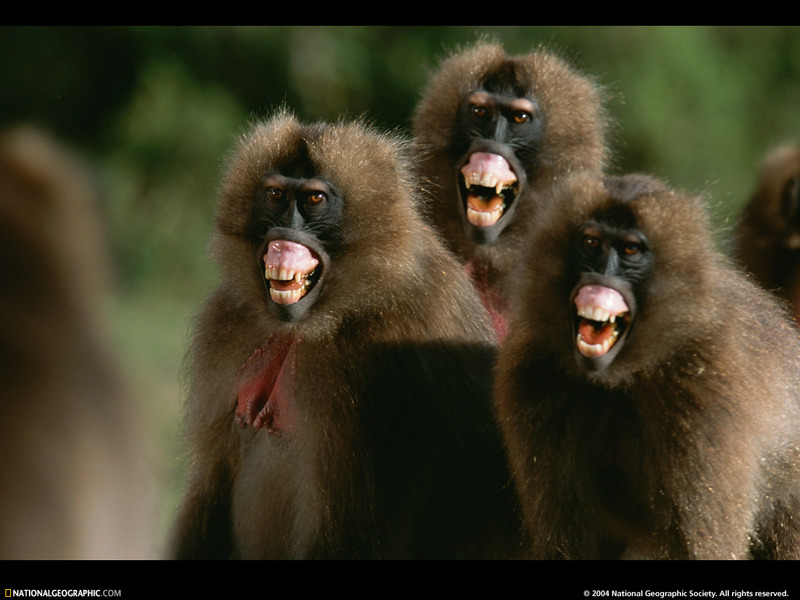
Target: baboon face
(612,262)
(499,129)
(298,219)
(299,230)
(606,273)
(496,135)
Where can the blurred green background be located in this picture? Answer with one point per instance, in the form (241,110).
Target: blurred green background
(155,109)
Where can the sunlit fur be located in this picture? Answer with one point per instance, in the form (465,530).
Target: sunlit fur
(574,140)
(393,453)
(688,444)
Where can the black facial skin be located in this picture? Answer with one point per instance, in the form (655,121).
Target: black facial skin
(611,253)
(502,124)
(303,210)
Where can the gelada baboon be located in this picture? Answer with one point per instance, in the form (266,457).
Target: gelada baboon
(768,236)
(648,390)
(74,483)
(497,130)
(340,404)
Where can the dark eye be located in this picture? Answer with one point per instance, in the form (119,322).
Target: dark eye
(591,241)
(521,117)
(276,194)
(316,198)
(478,110)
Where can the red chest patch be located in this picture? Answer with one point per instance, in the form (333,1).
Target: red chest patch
(264,386)
(494,303)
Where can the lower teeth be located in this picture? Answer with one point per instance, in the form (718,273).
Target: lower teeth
(595,350)
(483,218)
(291,295)
(287,296)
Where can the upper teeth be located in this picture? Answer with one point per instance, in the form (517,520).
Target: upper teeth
(489,170)
(595,313)
(487,179)
(284,274)
(288,296)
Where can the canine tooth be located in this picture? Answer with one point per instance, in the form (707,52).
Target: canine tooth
(596,313)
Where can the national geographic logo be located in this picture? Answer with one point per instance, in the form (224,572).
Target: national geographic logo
(58,593)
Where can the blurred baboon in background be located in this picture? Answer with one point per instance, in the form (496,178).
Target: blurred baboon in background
(73,484)
(498,130)
(648,390)
(768,236)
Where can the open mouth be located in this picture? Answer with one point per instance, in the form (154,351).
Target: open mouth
(291,270)
(602,317)
(488,187)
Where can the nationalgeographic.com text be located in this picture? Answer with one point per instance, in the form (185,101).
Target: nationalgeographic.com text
(10,593)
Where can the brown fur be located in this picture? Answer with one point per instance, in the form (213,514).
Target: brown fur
(393,451)
(687,445)
(74,482)
(574,140)
(768,243)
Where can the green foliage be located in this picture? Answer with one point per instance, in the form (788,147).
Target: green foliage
(156,107)
(161,180)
